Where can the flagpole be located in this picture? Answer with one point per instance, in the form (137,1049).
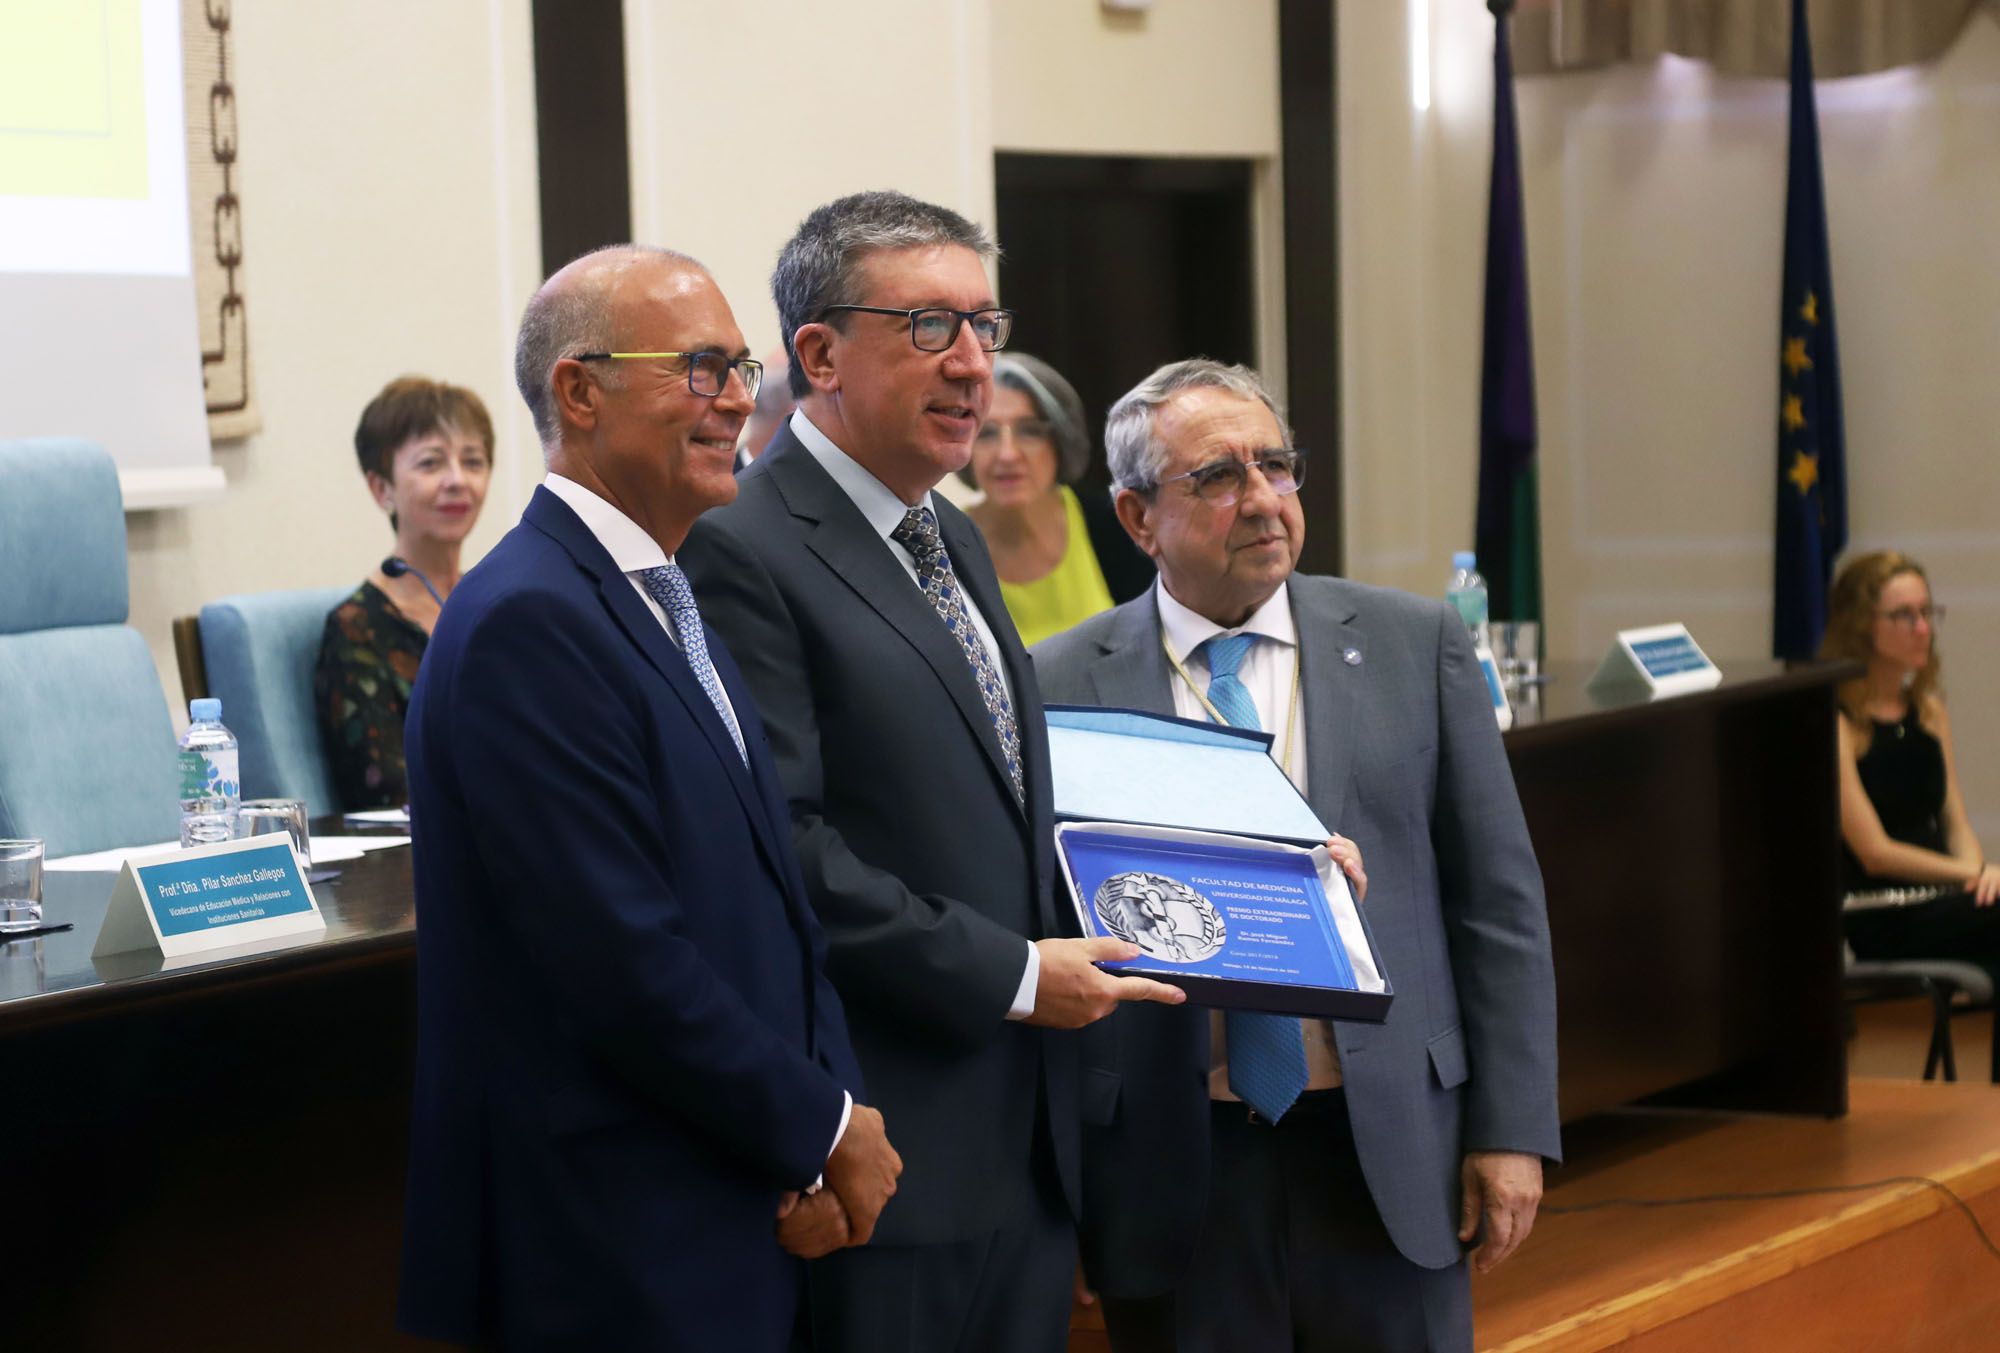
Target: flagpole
(1507,520)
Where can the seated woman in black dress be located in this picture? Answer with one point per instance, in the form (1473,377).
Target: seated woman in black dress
(426,450)
(1902,818)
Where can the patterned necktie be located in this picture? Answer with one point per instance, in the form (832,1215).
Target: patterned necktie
(669,586)
(918,533)
(1267,1053)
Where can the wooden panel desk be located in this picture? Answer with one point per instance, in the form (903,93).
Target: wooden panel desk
(210,1157)
(1690,849)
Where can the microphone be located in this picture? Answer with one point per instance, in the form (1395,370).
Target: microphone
(395,567)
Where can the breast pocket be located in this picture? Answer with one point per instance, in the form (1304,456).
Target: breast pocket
(1404,781)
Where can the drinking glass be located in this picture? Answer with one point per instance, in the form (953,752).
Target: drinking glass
(259,817)
(1520,647)
(20,885)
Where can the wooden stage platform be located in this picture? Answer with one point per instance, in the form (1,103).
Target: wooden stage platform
(1898,1267)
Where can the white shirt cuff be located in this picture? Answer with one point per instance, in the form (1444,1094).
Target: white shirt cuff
(846,1112)
(1031,978)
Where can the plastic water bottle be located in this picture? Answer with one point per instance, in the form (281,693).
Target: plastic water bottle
(1467,592)
(209,787)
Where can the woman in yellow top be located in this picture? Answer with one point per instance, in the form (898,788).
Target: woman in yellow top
(1047,545)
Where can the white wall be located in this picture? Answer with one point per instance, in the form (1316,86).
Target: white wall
(1655,203)
(825,100)
(390,226)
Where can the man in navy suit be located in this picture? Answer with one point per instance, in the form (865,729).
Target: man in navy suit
(632,1073)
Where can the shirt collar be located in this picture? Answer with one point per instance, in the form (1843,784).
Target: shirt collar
(622,538)
(1187,630)
(883,509)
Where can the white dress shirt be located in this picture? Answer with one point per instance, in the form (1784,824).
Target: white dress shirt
(1267,672)
(633,551)
(884,512)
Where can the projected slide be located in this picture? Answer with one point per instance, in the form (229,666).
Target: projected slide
(72,120)
(96,270)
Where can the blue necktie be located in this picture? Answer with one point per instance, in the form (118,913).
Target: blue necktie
(669,586)
(1267,1053)
(918,533)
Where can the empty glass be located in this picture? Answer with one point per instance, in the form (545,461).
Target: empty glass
(1518,648)
(259,817)
(20,885)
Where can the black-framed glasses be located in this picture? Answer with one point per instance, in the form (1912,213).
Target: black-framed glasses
(1220,483)
(708,372)
(934,328)
(1907,616)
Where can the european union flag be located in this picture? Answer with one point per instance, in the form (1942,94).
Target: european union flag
(1812,446)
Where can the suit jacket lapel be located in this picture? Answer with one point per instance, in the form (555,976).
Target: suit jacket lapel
(1332,688)
(553,516)
(849,546)
(1132,673)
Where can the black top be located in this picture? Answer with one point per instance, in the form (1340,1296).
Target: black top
(368,659)
(1903,774)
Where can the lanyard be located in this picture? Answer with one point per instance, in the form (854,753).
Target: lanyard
(1291,703)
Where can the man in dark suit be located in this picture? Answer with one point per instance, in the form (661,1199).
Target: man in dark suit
(908,734)
(1321,1202)
(630,1064)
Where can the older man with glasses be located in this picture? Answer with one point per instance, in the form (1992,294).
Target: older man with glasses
(1331,1172)
(906,725)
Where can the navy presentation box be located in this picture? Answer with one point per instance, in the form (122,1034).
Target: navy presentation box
(1187,840)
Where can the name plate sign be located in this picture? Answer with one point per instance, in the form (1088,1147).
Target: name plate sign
(1656,660)
(207,898)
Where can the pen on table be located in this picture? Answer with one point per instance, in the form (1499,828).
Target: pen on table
(37,930)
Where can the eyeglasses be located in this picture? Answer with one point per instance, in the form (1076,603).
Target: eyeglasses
(1907,616)
(1024,430)
(1220,483)
(708,372)
(935,328)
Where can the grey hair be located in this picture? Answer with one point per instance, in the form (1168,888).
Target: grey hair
(1137,459)
(820,265)
(1056,403)
(562,321)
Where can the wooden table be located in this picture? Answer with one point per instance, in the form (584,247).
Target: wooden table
(210,1157)
(1690,850)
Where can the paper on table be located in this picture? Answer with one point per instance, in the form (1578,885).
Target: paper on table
(334,849)
(325,850)
(393,817)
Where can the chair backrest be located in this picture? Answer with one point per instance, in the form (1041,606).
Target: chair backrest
(87,756)
(259,650)
(187,657)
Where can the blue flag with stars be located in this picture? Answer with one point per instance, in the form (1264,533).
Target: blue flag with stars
(1812,445)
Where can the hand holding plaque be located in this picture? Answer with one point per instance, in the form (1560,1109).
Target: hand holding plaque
(1073,991)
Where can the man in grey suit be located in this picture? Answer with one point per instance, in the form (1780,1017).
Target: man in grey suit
(903,715)
(1325,1199)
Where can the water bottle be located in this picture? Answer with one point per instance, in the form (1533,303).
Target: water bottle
(1467,592)
(209,787)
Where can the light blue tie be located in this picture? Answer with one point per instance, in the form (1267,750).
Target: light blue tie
(667,585)
(1267,1053)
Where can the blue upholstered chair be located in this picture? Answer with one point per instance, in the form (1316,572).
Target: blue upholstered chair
(87,758)
(259,650)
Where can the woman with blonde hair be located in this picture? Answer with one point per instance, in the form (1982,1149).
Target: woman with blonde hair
(1902,818)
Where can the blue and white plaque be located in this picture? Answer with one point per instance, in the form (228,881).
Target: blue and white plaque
(1158,839)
